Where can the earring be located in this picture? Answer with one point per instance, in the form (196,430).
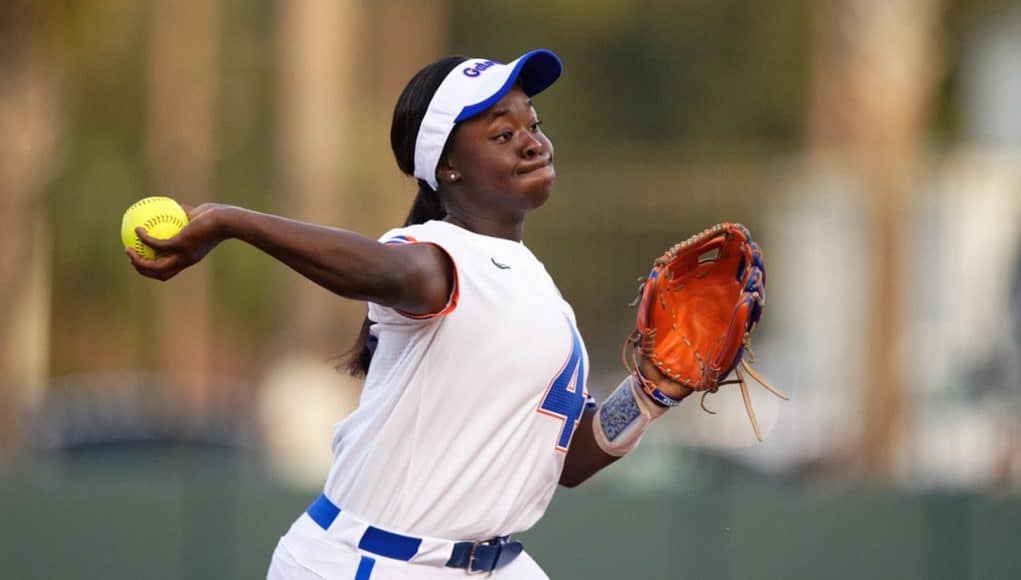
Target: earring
(453,176)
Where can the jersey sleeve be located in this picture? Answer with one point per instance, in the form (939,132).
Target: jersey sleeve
(403,236)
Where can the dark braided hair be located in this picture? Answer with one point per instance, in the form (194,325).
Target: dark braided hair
(408,114)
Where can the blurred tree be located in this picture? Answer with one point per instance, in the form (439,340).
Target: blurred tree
(873,86)
(182,85)
(406,35)
(96,298)
(317,80)
(32,122)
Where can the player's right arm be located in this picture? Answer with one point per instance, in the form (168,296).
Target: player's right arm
(414,278)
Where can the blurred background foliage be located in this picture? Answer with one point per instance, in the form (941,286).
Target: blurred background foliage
(888,212)
(647,82)
(701,76)
(650,81)
(695,86)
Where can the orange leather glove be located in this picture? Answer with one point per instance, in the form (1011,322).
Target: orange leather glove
(696,313)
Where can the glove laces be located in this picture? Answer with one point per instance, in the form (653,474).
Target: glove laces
(633,366)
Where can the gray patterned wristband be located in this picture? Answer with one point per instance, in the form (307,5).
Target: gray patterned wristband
(623,418)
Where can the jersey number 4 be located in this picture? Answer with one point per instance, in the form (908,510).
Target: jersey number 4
(565,396)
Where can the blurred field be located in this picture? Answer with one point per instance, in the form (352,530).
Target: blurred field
(873,148)
(186,513)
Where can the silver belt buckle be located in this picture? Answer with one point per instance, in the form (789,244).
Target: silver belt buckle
(471,559)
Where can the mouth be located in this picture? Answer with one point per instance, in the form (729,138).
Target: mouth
(526,168)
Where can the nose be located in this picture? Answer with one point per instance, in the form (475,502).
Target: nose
(532,147)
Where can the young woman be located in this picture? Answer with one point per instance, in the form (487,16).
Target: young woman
(475,402)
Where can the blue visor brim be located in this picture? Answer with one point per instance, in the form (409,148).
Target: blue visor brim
(536,70)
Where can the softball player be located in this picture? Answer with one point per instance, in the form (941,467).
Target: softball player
(475,402)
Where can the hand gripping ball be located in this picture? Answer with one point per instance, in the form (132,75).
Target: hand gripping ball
(162,218)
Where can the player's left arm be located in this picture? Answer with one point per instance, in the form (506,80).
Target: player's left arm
(584,458)
(588,452)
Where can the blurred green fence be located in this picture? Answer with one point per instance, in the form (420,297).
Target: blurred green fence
(217,518)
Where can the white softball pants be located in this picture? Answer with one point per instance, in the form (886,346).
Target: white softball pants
(307,552)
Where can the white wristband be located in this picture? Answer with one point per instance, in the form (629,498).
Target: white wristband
(623,418)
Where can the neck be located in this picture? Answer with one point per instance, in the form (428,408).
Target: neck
(509,229)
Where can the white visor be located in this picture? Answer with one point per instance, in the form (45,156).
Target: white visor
(469,89)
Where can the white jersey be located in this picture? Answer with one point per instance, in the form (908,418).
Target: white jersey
(466,415)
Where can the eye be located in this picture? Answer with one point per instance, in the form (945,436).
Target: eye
(503,136)
(535,126)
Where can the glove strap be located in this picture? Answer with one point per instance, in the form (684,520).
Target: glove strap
(650,388)
(658,396)
(624,417)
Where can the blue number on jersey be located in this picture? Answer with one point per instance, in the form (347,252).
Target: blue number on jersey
(566,396)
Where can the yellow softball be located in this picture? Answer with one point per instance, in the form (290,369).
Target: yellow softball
(161,217)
